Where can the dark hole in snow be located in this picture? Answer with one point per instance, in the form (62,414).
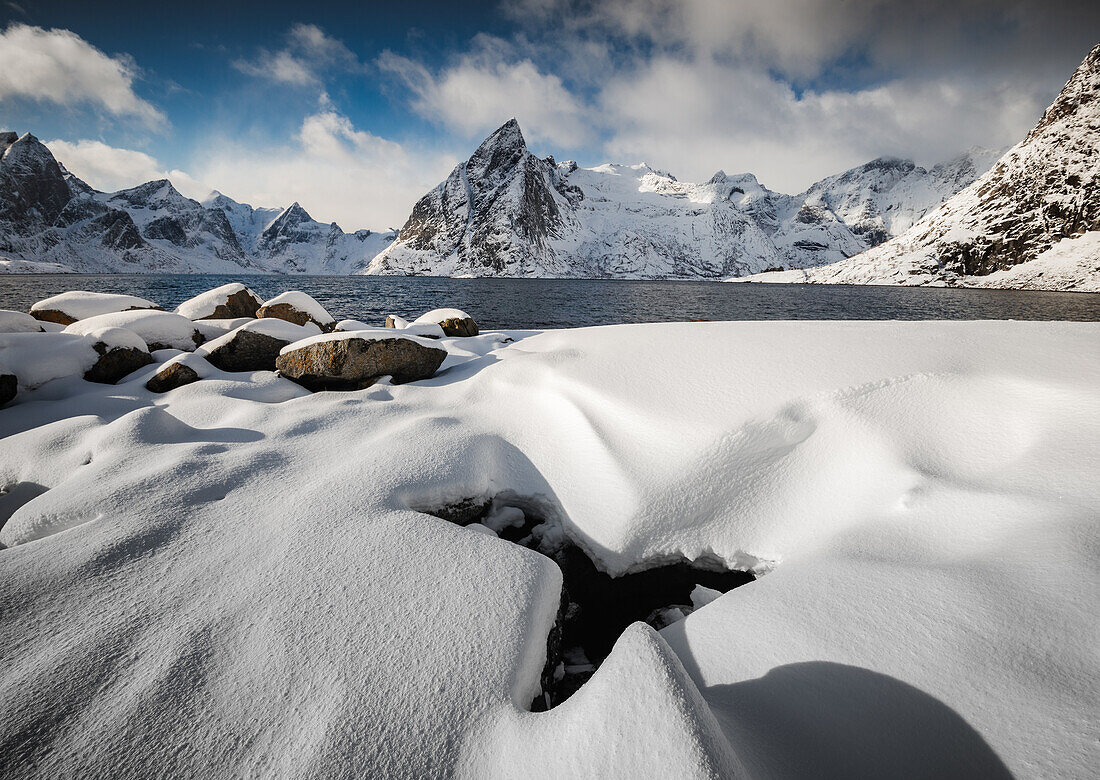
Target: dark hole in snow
(595,607)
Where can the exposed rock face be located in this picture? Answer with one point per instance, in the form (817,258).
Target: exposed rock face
(285,311)
(298,308)
(9,386)
(115,363)
(247,350)
(170,377)
(230,301)
(506,212)
(353,363)
(1043,191)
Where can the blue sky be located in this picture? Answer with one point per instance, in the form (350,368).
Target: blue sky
(355,109)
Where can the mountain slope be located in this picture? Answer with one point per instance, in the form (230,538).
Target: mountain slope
(47,215)
(506,212)
(1030,221)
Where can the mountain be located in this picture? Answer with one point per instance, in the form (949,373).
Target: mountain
(1033,220)
(506,212)
(48,215)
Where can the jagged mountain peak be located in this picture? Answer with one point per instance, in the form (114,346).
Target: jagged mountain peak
(1082,88)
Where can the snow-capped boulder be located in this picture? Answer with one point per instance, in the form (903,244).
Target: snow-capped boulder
(255,345)
(212,329)
(226,302)
(121,352)
(181,370)
(68,307)
(158,329)
(103,355)
(393,321)
(18,322)
(344,326)
(358,359)
(299,308)
(454,322)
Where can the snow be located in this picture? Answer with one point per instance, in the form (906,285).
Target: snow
(204,304)
(212,329)
(154,327)
(234,566)
(368,334)
(38,358)
(435,316)
(80,304)
(269,326)
(1070,264)
(18,322)
(305,304)
(9,266)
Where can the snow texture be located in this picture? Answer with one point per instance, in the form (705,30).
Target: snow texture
(231,579)
(81,304)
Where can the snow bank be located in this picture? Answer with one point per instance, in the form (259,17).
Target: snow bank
(234,566)
(160,329)
(305,304)
(18,322)
(80,304)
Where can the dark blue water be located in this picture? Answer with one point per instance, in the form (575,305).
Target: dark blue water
(554,303)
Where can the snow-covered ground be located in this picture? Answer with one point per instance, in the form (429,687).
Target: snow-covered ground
(229,579)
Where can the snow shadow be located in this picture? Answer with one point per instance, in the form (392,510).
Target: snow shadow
(595,608)
(15,495)
(828,720)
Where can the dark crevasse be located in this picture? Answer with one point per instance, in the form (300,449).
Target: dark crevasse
(595,607)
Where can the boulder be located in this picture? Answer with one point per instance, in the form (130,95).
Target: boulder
(158,329)
(454,322)
(103,355)
(428,330)
(255,345)
(222,303)
(116,362)
(352,361)
(9,386)
(69,307)
(299,308)
(18,322)
(174,374)
(396,322)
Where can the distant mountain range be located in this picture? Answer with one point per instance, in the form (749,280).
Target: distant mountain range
(506,212)
(1029,221)
(49,216)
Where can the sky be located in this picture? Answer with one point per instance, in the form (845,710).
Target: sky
(355,110)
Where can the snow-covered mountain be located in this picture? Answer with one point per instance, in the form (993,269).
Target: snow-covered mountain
(1032,221)
(506,212)
(48,215)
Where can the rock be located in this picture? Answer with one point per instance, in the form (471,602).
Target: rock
(256,345)
(9,386)
(222,303)
(396,322)
(174,374)
(454,322)
(299,308)
(116,362)
(69,307)
(354,361)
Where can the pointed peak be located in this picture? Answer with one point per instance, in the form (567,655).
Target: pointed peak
(718,177)
(507,136)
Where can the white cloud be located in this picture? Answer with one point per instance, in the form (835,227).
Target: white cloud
(488,85)
(308,54)
(335,171)
(61,67)
(110,168)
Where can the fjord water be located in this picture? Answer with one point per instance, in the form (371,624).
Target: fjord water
(560,303)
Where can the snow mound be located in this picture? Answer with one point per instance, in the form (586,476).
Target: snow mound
(436,316)
(158,329)
(81,304)
(18,322)
(38,358)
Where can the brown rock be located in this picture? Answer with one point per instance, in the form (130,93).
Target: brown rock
(9,386)
(459,327)
(115,363)
(355,363)
(170,377)
(284,311)
(247,351)
(240,304)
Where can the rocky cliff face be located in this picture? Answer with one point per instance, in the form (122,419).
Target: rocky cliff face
(47,215)
(1038,203)
(505,212)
